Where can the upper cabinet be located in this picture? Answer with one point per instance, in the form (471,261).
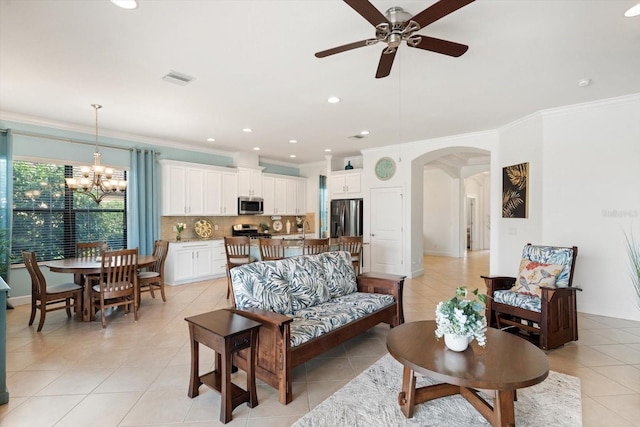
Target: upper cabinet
(192,189)
(249,182)
(284,195)
(345,184)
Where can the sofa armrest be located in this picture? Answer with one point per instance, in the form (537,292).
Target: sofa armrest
(497,283)
(263,316)
(381,283)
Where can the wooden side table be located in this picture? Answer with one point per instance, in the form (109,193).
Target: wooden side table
(226,333)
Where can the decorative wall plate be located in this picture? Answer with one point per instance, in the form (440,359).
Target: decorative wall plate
(203,228)
(385,168)
(277,225)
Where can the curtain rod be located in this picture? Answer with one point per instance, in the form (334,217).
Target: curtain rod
(73,141)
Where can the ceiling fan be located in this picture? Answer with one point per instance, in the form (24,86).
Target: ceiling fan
(397,25)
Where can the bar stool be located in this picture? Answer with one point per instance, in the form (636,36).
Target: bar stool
(238,250)
(271,249)
(353,245)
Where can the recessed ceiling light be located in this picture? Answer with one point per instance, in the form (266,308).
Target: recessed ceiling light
(333,100)
(633,11)
(211,139)
(584,82)
(327,150)
(292,156)
(364,132)
(125,4)
(293,141)
(256,148)
(178,78)
(248,130)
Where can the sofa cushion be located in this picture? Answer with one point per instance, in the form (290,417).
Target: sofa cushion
(341,278)
(307,281)
(533,275)
(262,285)
(312,322)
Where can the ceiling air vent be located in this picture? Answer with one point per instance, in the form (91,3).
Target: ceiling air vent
(178,78)
(356,136)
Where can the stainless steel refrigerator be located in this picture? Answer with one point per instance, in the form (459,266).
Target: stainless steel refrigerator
(346,217)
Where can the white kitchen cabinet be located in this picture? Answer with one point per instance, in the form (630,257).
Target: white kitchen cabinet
(296,193)
(345,184)
(182,190)
(193,189)
(191,261)
(221,192)
(229,193)
(275,193)
(219,267)
(249,182)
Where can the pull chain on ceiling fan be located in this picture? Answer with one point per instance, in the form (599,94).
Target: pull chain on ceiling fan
(396,26)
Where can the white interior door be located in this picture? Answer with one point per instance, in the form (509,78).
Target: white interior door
(386,230)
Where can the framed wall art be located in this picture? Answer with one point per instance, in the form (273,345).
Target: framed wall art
(515,191)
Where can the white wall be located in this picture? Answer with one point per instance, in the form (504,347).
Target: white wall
(584,191)
(440,213)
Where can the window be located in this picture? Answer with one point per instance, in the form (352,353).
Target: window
(49,218)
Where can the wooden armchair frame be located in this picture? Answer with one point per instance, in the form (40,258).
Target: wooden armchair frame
(557,322)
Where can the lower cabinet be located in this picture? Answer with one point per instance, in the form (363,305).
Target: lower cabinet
(191,262)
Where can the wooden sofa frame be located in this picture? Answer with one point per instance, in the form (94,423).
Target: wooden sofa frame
(276,359)
(555,325)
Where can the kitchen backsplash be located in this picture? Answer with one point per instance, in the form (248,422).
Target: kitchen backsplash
(224,224)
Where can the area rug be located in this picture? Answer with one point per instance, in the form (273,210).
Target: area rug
(371,399)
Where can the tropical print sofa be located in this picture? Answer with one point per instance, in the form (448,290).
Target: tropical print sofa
(307,305)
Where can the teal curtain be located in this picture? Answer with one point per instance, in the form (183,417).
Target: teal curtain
(6,196)
(324,211)
(143,215)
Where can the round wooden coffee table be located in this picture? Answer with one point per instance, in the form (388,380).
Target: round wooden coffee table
(505,364)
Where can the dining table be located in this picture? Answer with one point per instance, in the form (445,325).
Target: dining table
(86,267)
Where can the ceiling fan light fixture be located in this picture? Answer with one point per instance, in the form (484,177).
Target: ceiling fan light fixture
(633,11)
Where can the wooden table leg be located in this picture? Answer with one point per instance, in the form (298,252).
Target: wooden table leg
(503,409)
(226,406)
(194,382)
(86,300)
(407,397)
(251,370)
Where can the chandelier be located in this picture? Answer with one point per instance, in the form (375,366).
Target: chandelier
(97,181)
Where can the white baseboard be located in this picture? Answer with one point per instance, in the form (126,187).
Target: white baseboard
(15,301)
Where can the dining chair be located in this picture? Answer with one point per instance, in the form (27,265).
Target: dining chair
(315,246)
(47,298)
(88,250)
(271,249)
(353,245)
(117,284)
(153,277)
(238,250)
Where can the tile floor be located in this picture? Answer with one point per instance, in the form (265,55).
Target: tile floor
(136,374)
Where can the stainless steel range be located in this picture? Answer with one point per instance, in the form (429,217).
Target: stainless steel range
(249,230)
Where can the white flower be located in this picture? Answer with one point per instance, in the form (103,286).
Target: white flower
(461,316)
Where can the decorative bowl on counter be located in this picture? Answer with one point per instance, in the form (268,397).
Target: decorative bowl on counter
(203,228)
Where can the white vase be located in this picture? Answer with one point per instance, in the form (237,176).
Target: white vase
(456,342)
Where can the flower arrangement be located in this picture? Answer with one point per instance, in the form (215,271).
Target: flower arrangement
(462,316)
(633,251)
(180,228)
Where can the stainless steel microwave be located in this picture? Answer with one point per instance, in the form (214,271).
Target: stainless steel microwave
(250,205)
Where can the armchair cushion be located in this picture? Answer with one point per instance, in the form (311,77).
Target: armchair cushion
(533,275)
(516,299)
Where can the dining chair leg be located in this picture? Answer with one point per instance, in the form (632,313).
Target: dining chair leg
(164,299)
(33,312)
(43,314)
(228,282)
(104,322)
(68,303)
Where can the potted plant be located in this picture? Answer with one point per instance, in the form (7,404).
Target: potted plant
(180,228)
(461,319)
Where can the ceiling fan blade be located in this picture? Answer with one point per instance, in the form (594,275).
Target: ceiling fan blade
(438,10)
(345,47)
(384,66)
(441,46)
(367,11)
